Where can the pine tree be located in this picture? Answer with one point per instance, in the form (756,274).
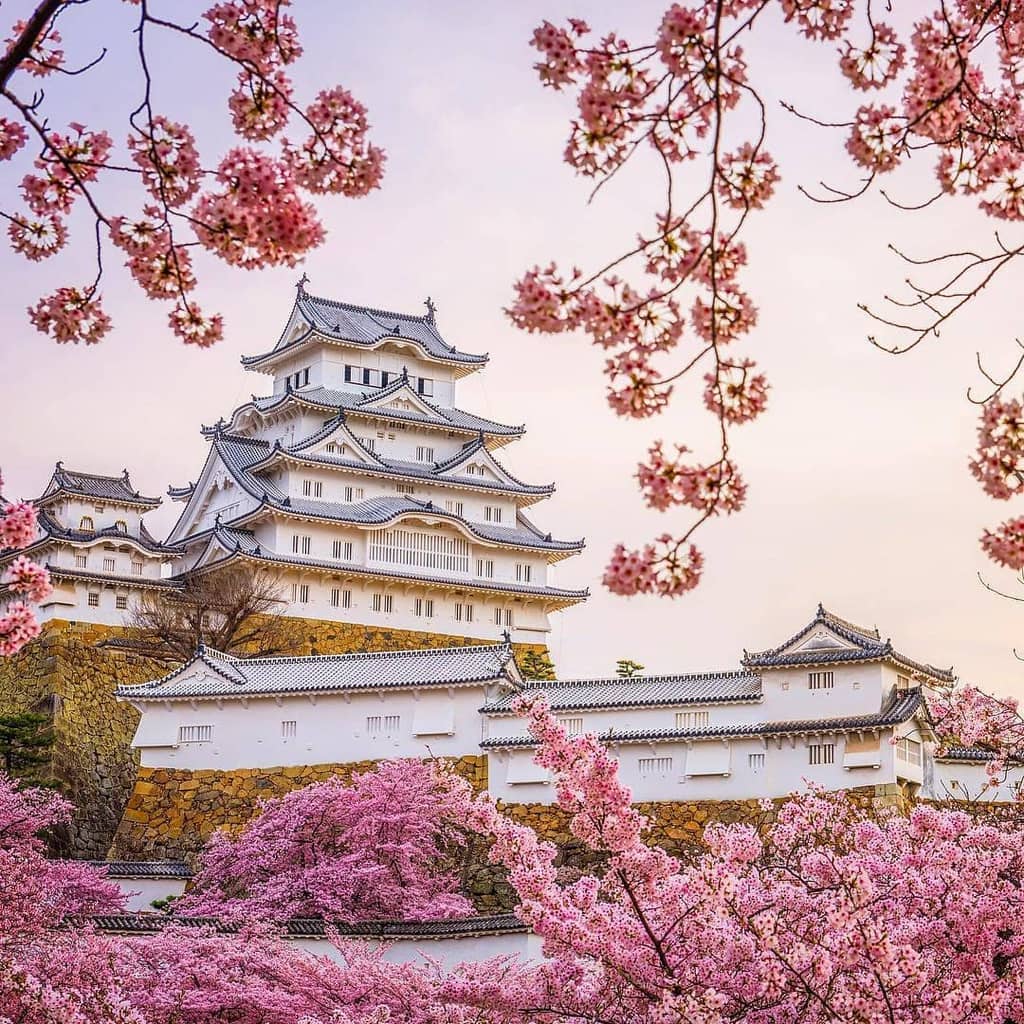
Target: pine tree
(26,740)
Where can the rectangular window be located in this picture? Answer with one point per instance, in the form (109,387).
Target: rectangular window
(81,561)
(524,572)
(908,750)
(386,725)
(692,719)
(652,766)
(463,612)
(303,593)
(424,453)
(301,544)
(902,683)
(474,470)
(354,374)
(485,567)
(492,513)
(755,762)
(136,568)
(455,507)
(423,607)
(353,493)
(820,680)
(341,598)
(108,564)
(121,602)
(382,602)
(371,378)
(289,730)
(821,753)
(195,733)
(312,488)
(573,726)
(425,386)
(343,550)
(94,599)
(503,616)
(405,488)
(416,549)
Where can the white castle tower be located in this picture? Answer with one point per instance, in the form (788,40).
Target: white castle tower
(361,482)
(94,542)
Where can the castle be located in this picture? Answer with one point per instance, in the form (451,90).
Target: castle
(403,545)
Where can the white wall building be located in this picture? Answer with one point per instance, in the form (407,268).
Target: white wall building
(94,542)
(834,705)
(361,482)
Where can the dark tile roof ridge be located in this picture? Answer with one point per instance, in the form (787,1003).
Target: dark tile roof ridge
(658,677)
(959,753)
(101,577)
(143,868)
(73,481)
(846,624)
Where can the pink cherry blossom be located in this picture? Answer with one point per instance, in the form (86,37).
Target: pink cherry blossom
(37,239)
(1005,544)
(877,64)
(735,393)
(12,138)
(999,463)
(167,156)
(27,579)
(46,56)
(259,105)
(195,328)
(71,315)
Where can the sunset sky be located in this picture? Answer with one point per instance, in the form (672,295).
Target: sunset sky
(859,493)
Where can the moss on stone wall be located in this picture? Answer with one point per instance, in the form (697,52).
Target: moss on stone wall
(172,811)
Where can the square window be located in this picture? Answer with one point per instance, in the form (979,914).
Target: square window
(524,572)
(820,680)
(109,564)
(81,561)
(136,568)
(121,602)
(455,507)
(755,762)
(94,599)
(821,753)
(425,386)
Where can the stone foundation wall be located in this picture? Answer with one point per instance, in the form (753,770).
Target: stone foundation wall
(64,673)
(172,811)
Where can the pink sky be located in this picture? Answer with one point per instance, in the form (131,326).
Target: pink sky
(859,494)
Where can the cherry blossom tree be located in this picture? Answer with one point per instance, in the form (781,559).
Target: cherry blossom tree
(833,914)
(381,847)
(673,304)
(247,207)
(24,582)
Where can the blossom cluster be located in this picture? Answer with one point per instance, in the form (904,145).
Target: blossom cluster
(247,209)
(23,580)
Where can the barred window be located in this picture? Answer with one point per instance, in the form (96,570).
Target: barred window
(463,612)
(382,602)
(524,572)
(81,561)
(289,729)
(109,564)
(651,766)
(821,753)
(121,602)
(692,719)
(454,507)
(573,726)
(136,568)
(195,733)
(485,567)
(419,550)
(755,762)
(820,680)
(94,599)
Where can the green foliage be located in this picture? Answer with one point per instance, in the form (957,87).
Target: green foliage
(626,669)
(26,740)
(536,666)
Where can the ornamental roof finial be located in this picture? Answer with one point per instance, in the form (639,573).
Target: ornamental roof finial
(506,636)
(300,285)
(405,374)
(431,309)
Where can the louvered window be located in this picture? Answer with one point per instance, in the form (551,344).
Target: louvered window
(418,550)
(821,753)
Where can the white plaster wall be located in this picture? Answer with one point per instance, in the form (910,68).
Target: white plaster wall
(391,359)
(966,781)
(858,690)
(329,728)
(70,512)
(449,951)
(141,892)
(786,769)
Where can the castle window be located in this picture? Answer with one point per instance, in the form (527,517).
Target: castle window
(195,733)
(419,550)
(331,447)
(463,612)
(341,598)
(109,564)
(455,507)
(485,567)
(573,726)
(425,386)
(301,544)
(343,549)
(289,730)
(821,753)
(369,443)
(820,680)
(651,767)
(121,526)
(902,683)
(386,725)
(81,561)
(303,593)
(353,493)
(492,513)
(755,762)
(405,488)
(136,568)
(503,615)
(354,374)
(94,599)
(312,488)
(423,607)
(692,719)
(524,572)
(86,523)
(382,602)
(371,378)
(908,750)
(121,602)
(424,453)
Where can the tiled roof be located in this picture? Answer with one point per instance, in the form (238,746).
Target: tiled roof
(116,489)
(144,868)
(313,928)
(966,754)
(364,403)
(248,677)
(244,542)
(53,530)
(365,326)
(132,582)
(900,709)
(240,453)
(866,645)
(639,691)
